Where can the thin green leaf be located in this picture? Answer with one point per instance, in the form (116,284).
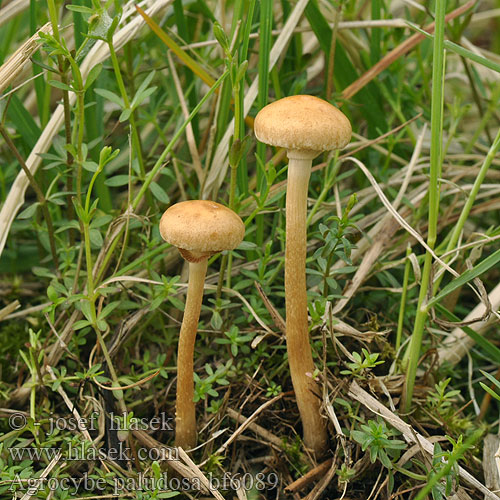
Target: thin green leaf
(469,275)
(492,379)
(80,8)
(459,50)
(117,180)
(490,391)
(28,212)
(92,76)
(60,85)
(110,96)
(159,193)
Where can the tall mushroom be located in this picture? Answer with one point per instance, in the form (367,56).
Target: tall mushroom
(305,126)
(199,229)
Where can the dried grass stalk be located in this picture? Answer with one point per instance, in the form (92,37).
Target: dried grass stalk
(15,63)
(12,9)
(458,343)
(490,458)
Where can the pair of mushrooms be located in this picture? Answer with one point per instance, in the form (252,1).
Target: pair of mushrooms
(305,126)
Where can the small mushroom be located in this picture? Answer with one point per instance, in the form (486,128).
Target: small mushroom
(199,229)
(305,126)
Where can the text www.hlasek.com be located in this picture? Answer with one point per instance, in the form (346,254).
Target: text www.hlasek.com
(86,452)
(117,485)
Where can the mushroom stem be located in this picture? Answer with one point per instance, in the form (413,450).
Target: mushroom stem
(297,331)
(185,413)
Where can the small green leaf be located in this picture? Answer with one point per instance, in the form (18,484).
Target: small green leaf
(117,180)
(101,221)
(247,245)
(90,166)
(156,303)
(241,71)
(140,97)
(159,193)
(216,321)
(110,96)
(125,115)
(109,309)
(60,85)
(29,212)
(96,238)
(102,325)
(167,494)
(221,37)
(80,8)
(92,76)
(82,323)
(177,303)
(85,305)
(51,293)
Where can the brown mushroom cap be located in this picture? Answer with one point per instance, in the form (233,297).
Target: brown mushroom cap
(201,226)
(302,122)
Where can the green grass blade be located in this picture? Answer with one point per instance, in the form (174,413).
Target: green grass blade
(490,391)
(248,29)
(25,125)
(461,51)
(376,35)
(369,97)
(180,20)
(80,24)
(7,35)
(94,127)
(469,275)
(494,381)
(438,65)
(265,27)
(39,83)
(489,348)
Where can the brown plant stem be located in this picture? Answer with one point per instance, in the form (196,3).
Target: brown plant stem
(297,328)
(185,413)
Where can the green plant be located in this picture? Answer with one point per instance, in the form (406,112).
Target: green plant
(273,389)
(345,473)
(333,234)
(440,399)
(362,364)
(205,387)
(236,341)
(494,381)
(376,438)
(445,465)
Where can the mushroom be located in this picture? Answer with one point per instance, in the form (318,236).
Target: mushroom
(305,126)
(199,229)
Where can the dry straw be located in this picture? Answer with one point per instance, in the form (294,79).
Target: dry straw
(15,64)
(457,344)
(12,9)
